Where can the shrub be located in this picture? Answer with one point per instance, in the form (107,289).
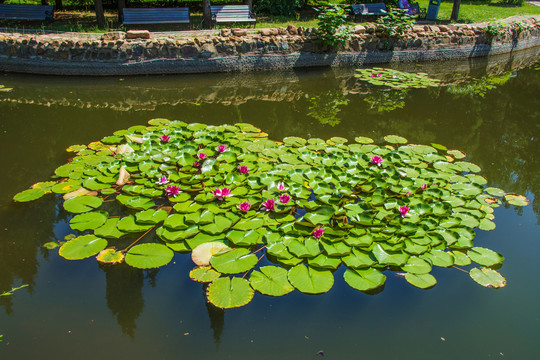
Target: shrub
(396,23)
(278,7)
(332,29)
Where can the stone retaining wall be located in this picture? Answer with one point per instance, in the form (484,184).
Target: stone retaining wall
(142,52)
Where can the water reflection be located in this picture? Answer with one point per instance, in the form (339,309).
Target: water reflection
(489,113)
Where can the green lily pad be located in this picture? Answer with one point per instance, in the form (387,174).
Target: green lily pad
(82,204)
(88,221)
(29,195)
(82,247)
(204,274)
(364,279)
(271,280)
(416,265)
(148,256)
(110,256)
(485,257)
(422,281)
(310,280)
(227,293)
(233,262)
(488,277)
(109,229)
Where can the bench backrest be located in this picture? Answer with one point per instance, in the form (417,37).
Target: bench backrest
(26,12)
(231,12)
(155,15)
(369,9)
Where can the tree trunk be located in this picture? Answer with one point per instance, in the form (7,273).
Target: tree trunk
(207,17)
(250,3)
(44,2)
(455,10)
(121,5)
(58,5)
(100,15)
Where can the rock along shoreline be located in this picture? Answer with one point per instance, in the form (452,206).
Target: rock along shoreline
(139,52)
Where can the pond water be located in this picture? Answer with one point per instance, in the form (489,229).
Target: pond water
(81,310)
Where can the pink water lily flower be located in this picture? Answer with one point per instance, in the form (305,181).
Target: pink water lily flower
(244,206)
(222,148)
(201,156)
(163,180)
(377,160)
(424,186)
(281,186)
(403,210)
(317,233)
(284,198)
(243,169)
(222,193)
(172,190)
(196,164)
(409,193)
(165,138)
(268,205)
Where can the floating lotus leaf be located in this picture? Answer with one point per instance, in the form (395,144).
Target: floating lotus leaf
(363,206)
(88,221)
(204,274)
(201,254)
(395,79)
(416,265)
(364,279)
(82,204)
(485,257)
(488,277)
(422,281)
(28,195)
(110,256)
(271,280)
(51,245)
(233,262)
(227,293)
(82,247)
(517,200)
(147,256)
(310,280)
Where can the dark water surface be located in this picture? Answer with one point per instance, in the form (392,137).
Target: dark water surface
(80,310)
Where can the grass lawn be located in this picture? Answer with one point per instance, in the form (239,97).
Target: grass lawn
(84,21)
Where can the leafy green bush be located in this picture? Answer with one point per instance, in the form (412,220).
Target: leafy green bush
(513,2)
(277,7)
(396,23)
(332,29)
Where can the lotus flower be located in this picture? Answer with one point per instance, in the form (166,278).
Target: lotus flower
(317,233)
(222,148)
(172,190)
(409,193)
(404,210)
(163,180)
(201,156)
(243,169)
(284,198)
(268,205)
(424,186)
(377,160)
(244,206)
(222,193)
(165,138)
(196,164)
(281,186)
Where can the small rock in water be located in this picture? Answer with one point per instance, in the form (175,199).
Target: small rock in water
(320,353)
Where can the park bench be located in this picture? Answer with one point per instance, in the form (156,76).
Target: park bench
(375,9)
(232,14)
(155,16)
(26,12)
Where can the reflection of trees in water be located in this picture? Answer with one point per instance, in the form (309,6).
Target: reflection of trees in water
(124,295)
(385,101)
(217,318)
(481,86)
(326,106)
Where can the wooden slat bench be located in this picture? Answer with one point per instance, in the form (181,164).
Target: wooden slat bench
(155,16)
(232,14)
(375,9)
(26,12)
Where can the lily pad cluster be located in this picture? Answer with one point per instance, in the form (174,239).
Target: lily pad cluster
(3,88)
(395,79)
(230,196)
